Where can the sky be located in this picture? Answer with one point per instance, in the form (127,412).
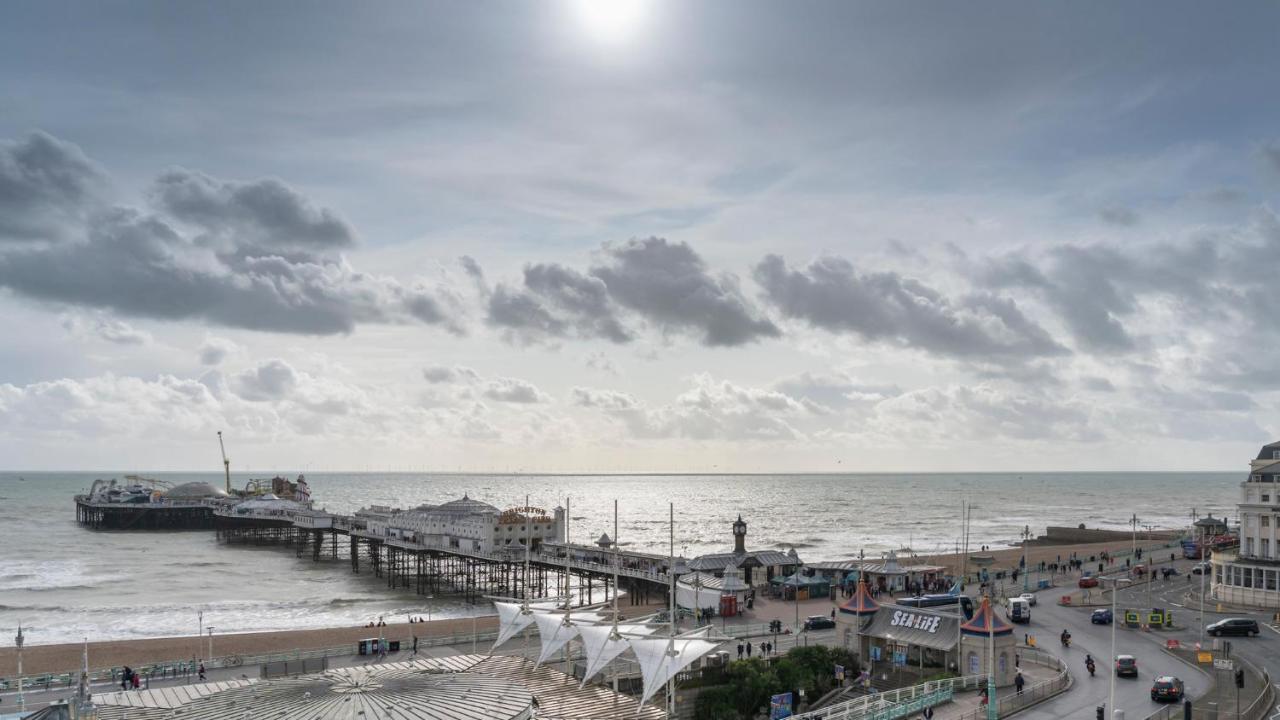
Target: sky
(639,235)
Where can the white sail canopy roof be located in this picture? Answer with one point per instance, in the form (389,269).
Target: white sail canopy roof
(512,617)
(602,646)
(661,658)
(557,629)
(692,596)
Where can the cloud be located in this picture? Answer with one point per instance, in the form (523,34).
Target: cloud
(710,410)
(985,410)
(106,328)
(831,295)
(437,374)
(512,390)
(268,381)
(834,393)
(264,259)
(603,399)
(46,187)
(266,214)
(669,285)
(215,349)
(556,302)
(1117,215)
(1271,157)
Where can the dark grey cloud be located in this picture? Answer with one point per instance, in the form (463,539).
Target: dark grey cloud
(665,284)
(1118,215)
(1085,285)
(1271,156)
(265,214)
(264,257)
(46,186)
(268,381)
(1097,384)
(557,302)
(830,294)
(669,285)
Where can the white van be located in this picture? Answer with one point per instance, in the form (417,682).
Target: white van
(1018,610)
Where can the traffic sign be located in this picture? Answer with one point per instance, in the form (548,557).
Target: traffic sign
(1223,664)
(1204,657)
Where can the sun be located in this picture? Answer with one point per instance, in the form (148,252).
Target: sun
(611,21)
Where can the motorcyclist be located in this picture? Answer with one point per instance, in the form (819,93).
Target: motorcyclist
(1066,639)
(1088,663)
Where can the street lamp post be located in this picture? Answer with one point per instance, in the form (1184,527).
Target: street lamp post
(1026,535)
(22,701)
(210,629)
(1115,588)
(1203,571)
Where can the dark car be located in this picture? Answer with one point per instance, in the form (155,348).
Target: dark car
(1088,581)
(1101,616)
(1166,572)
(1166,687)
(1200,568)
(818,622)
(1233,626)
(1126,666)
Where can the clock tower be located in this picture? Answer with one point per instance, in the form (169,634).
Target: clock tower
(739,536)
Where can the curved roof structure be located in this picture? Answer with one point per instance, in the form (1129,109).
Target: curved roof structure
(381,692)
(466,506)
(195,491)
(986,622)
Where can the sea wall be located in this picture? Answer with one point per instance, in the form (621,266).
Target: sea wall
(1072,535)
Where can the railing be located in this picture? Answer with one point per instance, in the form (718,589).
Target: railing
(896,703)
(1009,704)
(188,668)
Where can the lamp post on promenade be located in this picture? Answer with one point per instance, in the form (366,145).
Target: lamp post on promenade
(210,628)
(22,701)
(1115,588)
(1026,535)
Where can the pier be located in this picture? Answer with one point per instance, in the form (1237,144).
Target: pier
(169,515)
(555,568)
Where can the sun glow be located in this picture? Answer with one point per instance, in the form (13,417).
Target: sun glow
(611,21)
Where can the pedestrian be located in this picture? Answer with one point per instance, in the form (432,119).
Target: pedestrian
(833,613)
(748,648)
(739,651)
(1018,682)
(415,644)
(137,681)
(125,676)
(202,671)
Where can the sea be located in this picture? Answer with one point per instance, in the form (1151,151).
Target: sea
(65,583)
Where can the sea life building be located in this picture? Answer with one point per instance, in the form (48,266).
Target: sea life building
(1249,574)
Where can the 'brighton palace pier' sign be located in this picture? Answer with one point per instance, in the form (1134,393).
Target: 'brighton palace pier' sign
(928,623)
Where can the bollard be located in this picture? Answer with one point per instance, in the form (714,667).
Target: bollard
(1117,714)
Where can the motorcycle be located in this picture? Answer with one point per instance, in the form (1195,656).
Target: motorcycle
(1090,667)
(1066,639)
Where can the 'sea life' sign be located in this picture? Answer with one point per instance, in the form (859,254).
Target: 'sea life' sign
(914,621)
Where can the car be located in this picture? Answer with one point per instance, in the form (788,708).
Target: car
(1030,598)
(1166,572)
(1088,581)
(1166,687)
(1201,568)
(1126,666)
(1233,626)
(1101,616)
(818,622)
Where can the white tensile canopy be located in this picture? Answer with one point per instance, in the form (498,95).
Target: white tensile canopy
(661,658)
(557,629)
(512,617)
(602,646)
(697,597)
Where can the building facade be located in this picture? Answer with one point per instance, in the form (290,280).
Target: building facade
(468,525)
(1250,573)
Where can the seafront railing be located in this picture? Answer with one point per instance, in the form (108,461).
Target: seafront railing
(896,703)
(175,669)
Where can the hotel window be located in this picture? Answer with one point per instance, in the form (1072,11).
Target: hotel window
(1266,548)
(1266,521)
(1266,497)
(1248,546)
(1271,579)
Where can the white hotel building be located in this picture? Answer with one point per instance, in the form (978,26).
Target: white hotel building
(1250,574)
